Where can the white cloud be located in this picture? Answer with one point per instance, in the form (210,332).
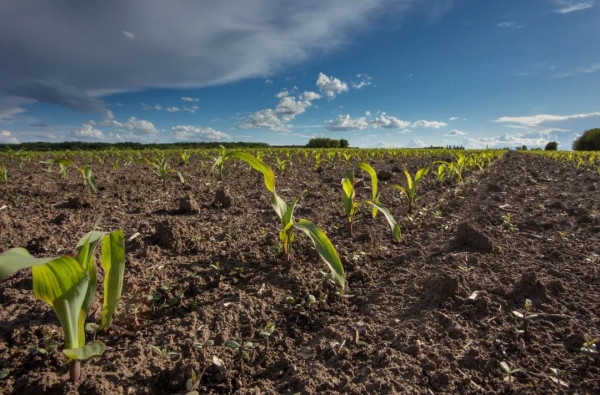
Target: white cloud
(269,81)
(283,93)
(288,107)
(365,80)
(139,127)
(158,107)
(6,137)
(536,120)
(456,132)
(531,139)
(331,86)
(388,122)
(310,96)
(266,119)
(568,6)
(429,124)
(453,118)
(129,35)
(510,25)
(416,143)
(345,123)
(193,133)
(88,132)
(190,99)
(190,109)
(173,109)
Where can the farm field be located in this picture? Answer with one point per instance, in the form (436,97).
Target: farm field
(209,303)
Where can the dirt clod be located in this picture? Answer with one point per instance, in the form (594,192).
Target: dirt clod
(471,236)
(222,199)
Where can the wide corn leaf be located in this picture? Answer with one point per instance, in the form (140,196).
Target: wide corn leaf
(289,214)
(113,263)
(325,250)
(279,205)
(63,284)
(347,195)
(366,167)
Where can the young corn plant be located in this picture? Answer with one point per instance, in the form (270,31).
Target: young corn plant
(4,173)
(351,206)
(88,179)
(69,285)
(323,245)
(62,163)
(411,188)
(161,167)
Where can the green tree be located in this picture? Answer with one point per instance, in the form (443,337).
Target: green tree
(551,146)
(588,141)
(343,143)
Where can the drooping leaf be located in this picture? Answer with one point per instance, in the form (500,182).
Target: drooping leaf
(325,249)
(366,167)
(279,205)
(258,165)
(390,218)
(90,350)
(113,263)
(15,259)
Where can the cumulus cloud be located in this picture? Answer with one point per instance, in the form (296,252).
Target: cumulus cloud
(139,128)
(456,132)
(190,99)
(346,123)
(230,40)
(416,143)
(331,86)
(308,95)
(288,107)
(265,119)
(388,122)
(536,120)
(6,137)
(568,6)
(429,124)
(193,133)
(88,132)
(531,139)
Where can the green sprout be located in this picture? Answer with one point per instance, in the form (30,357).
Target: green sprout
(558,375)
(509,370)
(525,317)
(69,285)
(4,173)
(351,206)
(411,187)
(162,169)
(88,179)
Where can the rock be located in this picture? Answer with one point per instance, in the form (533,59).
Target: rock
(222,199)
(188,205)
(470,236)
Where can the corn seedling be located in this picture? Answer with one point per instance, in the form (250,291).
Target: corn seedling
(185,157)
(525,318)
(411,188)
(69,285)
(508,222)
(162,169)
(323,245)
(163,352)
(88,179)
(62,163)
(4,173)
(509,371)
(351,206)
(441,173)
(243,348)
(282,164)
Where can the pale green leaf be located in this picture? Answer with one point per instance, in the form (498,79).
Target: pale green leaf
(258,165)
(113,263)
(390,218)
(90,350)
(16,259)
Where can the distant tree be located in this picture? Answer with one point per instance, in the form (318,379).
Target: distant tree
(551,146)
(343,143)
(588,141)
(323,143)
(522,148)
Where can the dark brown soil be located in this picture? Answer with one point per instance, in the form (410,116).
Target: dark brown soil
(430,314)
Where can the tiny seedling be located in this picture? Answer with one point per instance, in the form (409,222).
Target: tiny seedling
(411,187)
(590,348)
(508,222)
(163,352)
(557,377)
(509,371)
(525,318)
(4,173)
(517,333)
(243,348)
(206,344)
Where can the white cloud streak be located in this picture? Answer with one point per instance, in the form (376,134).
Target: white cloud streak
(429,124)
(536,120)
(194,133)
(568,6)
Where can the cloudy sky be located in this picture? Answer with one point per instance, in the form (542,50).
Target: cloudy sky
(379,73)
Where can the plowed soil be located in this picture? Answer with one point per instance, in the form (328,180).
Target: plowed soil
(430,314)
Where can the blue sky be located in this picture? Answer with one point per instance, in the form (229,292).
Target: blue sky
(379,73)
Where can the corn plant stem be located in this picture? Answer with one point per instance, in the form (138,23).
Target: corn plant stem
(75,371)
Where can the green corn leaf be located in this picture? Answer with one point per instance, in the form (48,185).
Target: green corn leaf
(422,172)
(90,350)
(409,181)
(390,218)
(279,205)
(366,167)
(113,263)
(258,165)
(63,283)
(289,214)
(16,259)
(325,250)
(348,195)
